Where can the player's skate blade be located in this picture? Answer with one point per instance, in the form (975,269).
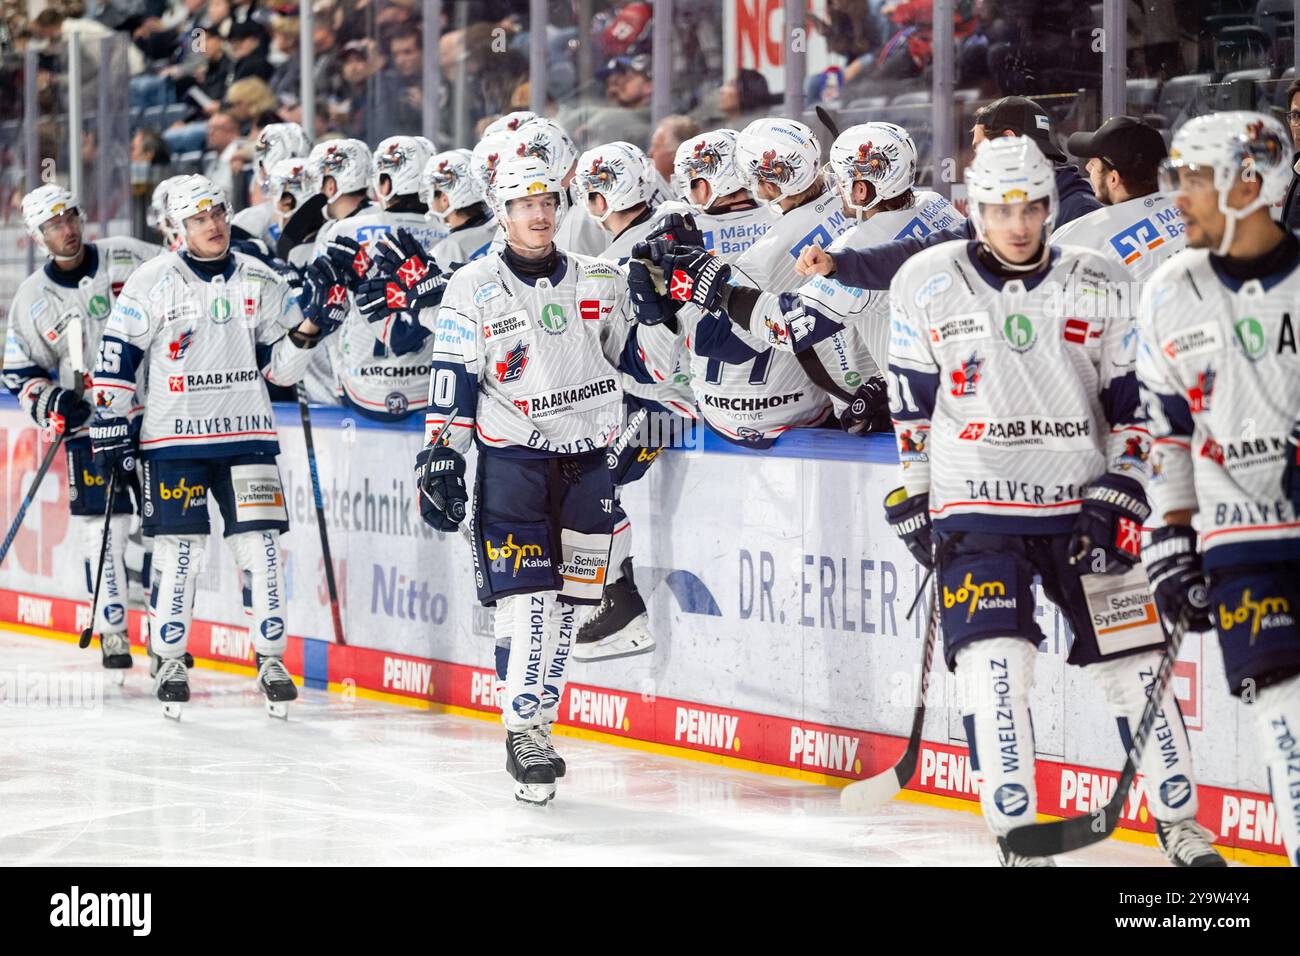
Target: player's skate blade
(172,686)
(533,774)
(1007,858)
(618,628)
(274,682)
(116,651)
(1185,844)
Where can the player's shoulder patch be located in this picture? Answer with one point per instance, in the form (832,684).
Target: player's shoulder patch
(588,267)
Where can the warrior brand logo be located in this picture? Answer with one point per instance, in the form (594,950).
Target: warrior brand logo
(1128,536)
(512,369)
(177,348)
(1263,614)
(1198,396)
(706,728)
(978,596)
(524,555)
(598,708)
(338,295)
(965,380)
(1142,236)
(681,286)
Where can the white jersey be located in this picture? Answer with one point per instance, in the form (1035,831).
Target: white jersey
(768,263)
(382,367)
(731,233)
(259,222)
(1010,396)
(1138,234)
(208,343)
(529,365)
(47,302)
(464,244)
(578,232)
(1219,366)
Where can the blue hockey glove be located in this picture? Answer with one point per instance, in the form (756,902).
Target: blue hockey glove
(910,519)
(440,479)
(1177,580)
(1109,521)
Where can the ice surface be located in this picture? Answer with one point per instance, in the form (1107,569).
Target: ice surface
(362,782)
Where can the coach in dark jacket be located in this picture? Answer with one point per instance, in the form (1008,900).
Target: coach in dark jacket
(874,268)
(1291,210)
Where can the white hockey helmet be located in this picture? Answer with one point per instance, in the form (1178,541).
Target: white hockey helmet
(449,173)
(291,176)
(508,123)
(276,142)
(547,140)
(485,159)
(710,156)
(346,161)
(881,154)
(521,176)
(781,152)
(158,218)
(44,203)
(190,196)
(1009,170)
(1237,144)
(402,159)
(620,172)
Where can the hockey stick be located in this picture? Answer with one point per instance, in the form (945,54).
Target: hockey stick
(89,631)
(330,584)
(1063,836)
(829,123)
(884,786)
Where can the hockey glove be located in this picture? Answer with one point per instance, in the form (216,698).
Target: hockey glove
(696,276)
(1110,521)
(60,409)
(402,259)
(679,229)
(113,445)
(440,478)
(647,306)
(376,298)
(1291,473)
(869,410)
(291,275)
(910,519)
(328,305)
(350,259)
(1177,580)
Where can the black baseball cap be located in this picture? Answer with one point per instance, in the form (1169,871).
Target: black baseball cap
(1129,145)
(640,63)
(1024,117)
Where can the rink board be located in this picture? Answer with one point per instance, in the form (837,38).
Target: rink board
(777,595)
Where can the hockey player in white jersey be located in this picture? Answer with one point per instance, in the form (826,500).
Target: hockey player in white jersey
(156,217)
(276,142)
(209,324)
(455,199)
(1137,226)
(547,140)
(614,182)
(1219,368)
(728,217)
(523,370)
(1024,452)
(56,319)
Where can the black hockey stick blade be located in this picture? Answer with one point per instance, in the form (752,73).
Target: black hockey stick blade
(302,225)
(1063,836)
(828,122)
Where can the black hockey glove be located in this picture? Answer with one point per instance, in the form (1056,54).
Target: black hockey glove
(402,260)
(113,444)
(376,298)
(1109,521)
(1177,580)
(696,276)
(291,275)
(60,409)
(350,259)
(910,519)
(440,478)
(869,410)
(648,306)
(680,229)
(1291,472)
(327,306)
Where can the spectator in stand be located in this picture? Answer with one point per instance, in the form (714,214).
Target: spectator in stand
(742,98)
(628,90)
(215,75)
(223,144)
(350,108)
(247,42)
(247,99)
(53,27)
(404,74)
(167,37)
(1291,206)
(286,79)
(148,147)
(671,132)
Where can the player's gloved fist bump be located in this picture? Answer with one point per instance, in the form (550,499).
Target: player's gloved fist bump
(696,276)
(349,257)
(61,409)
(440,479)
(1109,522)
(869,410)
(112,443)
(910,519)
(647,306)
(1291,471)
(328,306)
(376,298)
(401,257)
(1178,581)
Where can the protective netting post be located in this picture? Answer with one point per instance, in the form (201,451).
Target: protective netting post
(431,78)
(307,67)
(661,100)
(941,101)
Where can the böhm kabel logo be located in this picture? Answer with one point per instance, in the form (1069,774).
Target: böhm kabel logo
(77,909)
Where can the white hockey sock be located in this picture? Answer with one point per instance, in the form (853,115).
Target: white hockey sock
(529,624)
(1277,715)
(620,545)
(1166,766)
(556,659)
(176,563)
(995,676)
(501,628)
(110,615)
(258,554)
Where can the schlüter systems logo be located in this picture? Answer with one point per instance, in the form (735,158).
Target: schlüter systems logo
(77,909)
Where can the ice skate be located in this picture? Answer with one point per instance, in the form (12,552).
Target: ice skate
(274,681)
(533,773)
(1007,858)
(155,662)
(1185,843)
(619,627)
(172,686)
(542,737)
(116,651)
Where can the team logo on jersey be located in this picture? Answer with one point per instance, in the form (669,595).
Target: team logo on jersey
(1213,451)
(1135,453)
(965,380)
(102,399)
(1198,396)
(512,369)
(1250,335)
(553,319)
(221,311)
(1142,236)
(911,447)
(178,346)
(99,306)
(1019,332)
